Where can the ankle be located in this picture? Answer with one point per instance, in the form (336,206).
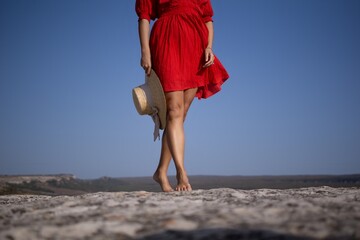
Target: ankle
(181,172)
(160,171)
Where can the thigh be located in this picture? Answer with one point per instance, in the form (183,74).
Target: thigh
(189,96)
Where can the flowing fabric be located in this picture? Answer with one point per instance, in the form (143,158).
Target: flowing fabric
(178,40)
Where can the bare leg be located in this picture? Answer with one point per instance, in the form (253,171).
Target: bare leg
(160,175)
(165,157)
(189,96)
(182,178)
(175,135)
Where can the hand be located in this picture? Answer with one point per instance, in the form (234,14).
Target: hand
(145,62)
(209,57)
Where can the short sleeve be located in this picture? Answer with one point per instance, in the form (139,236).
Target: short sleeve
(207,11)
(146,9)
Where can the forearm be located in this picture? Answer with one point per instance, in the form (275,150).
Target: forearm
(210,27)
(144,31)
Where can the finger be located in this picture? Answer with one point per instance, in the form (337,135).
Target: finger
(210,56)
(209,63)
(207,57)
(148,71)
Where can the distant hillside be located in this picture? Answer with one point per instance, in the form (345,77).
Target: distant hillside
(68,184)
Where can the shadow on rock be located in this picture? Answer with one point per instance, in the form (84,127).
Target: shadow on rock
(221,234)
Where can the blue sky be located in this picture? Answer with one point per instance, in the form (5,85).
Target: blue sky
(291,105)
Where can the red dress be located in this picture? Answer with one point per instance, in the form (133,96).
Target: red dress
(178,39)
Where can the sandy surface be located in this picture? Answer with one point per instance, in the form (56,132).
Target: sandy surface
(305,213)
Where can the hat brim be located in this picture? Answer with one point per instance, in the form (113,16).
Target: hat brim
(158,97)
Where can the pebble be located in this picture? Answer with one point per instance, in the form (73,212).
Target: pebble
(303,213)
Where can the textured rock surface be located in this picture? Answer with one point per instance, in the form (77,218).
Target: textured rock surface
(306,213)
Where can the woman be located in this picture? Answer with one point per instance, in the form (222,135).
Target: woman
(179,50)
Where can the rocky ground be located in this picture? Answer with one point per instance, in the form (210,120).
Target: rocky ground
(305,213)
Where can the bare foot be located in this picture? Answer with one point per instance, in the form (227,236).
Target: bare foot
(183,182)
(163,181)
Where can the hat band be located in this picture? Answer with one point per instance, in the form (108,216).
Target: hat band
(148,95)
(155,118)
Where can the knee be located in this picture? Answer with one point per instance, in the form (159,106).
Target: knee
(175,111)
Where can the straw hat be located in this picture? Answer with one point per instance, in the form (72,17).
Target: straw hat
(149,99)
